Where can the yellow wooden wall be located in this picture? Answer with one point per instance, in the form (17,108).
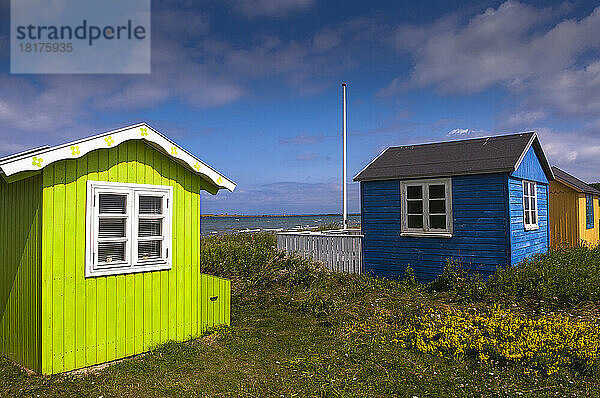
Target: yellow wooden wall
(86,321)
(589,236)
(564,215)
(567,217)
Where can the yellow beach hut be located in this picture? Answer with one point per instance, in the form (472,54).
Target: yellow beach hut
(574,211)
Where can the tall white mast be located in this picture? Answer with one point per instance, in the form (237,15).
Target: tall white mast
(345,191)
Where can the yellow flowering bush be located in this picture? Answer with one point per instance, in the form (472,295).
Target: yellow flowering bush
(551,342)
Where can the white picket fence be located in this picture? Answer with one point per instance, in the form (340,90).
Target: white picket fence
(339,250)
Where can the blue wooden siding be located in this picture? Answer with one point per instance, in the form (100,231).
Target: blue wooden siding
(530,168)
(527,243)
(479,240)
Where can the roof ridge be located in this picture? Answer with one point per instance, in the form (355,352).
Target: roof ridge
(589,187)
(462,140)
(500,153)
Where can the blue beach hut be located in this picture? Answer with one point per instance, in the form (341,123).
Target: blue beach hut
(482,202)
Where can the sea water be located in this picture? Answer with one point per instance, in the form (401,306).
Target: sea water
(218,224)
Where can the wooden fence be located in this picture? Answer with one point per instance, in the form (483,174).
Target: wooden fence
(339,250)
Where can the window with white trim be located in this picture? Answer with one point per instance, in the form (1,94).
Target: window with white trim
(128,228)
(427,207)
(530,213)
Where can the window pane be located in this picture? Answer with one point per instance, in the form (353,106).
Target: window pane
(527,217)
(112,204)
(531,189)
(437,191)
(414,192)
(533,203)
(533,219)
(111,228)
(437,222)
(437,206)
(150,228)
(150,204)
(149,250)
(415,207)
(111,252)
(526,202)
(415,221)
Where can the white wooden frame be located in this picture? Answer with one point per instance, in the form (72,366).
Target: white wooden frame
(166,226)
(132,264)
(95,229)
(530,226)
(426,231)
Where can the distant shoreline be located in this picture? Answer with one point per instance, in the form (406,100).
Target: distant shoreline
(274,215)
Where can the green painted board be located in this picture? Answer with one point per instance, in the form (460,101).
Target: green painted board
(20,259)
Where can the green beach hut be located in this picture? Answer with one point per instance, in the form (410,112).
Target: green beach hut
(100,250)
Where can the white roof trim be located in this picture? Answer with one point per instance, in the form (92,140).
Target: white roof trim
(34,161)
(370,163)
(534,137)
(520,160)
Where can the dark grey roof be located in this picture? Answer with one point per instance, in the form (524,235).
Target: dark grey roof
(502,153)
(573,182)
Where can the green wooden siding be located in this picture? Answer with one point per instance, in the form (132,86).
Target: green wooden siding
(94,320)
(20,262)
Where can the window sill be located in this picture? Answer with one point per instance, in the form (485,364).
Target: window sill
(162,266)
(532,228)
(427,234)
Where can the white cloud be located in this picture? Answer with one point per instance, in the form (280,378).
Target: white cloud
(459,132)
(307,156)
(573,91)
(577,151)
(462,133)
(529,50)
(524,119)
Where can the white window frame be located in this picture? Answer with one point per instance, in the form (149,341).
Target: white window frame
(530,226)
(131,264)
(426,231)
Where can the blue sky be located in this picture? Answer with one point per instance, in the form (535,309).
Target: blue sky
(253,88)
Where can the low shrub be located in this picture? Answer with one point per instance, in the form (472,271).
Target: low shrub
(462,283)
(565,276)
(409,280)
(253,261)
(560,278)
(318,304)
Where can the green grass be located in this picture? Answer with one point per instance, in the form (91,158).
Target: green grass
(287,339)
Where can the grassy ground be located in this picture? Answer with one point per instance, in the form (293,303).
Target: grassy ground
(289,338)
